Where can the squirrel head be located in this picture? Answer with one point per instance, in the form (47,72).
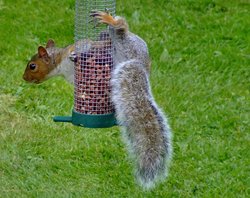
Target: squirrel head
(40,64)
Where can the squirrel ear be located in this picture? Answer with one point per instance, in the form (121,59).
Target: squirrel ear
(50,43)
(42,52)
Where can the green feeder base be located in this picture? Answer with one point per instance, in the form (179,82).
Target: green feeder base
(88,121)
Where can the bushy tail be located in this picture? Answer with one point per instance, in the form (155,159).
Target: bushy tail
(145,128)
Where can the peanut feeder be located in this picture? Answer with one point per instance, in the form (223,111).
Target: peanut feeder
(93,65)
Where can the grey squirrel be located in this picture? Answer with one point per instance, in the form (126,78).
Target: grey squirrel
(48,62)
(144,127)
(51,61)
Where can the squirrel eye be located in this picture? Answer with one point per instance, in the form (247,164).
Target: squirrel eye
(32,66)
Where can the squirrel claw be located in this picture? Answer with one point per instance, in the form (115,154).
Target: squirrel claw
(96,13)
(103,17)
(96,17)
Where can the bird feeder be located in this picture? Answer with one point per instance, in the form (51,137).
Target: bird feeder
(93,65)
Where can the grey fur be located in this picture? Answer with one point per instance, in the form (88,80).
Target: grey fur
(145,128)
(127,45)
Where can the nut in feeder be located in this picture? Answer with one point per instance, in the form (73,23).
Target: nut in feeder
(93,65)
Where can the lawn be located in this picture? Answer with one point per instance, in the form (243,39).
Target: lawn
(200,77)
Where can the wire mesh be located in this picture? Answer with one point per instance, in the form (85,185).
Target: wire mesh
(94,60)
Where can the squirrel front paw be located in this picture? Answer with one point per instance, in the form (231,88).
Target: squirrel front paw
(103,17)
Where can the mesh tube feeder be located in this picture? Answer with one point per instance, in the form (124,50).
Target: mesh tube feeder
(93,65)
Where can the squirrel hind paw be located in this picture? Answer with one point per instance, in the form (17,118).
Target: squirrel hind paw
(103,17)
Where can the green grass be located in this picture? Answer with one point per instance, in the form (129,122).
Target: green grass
(200,52)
